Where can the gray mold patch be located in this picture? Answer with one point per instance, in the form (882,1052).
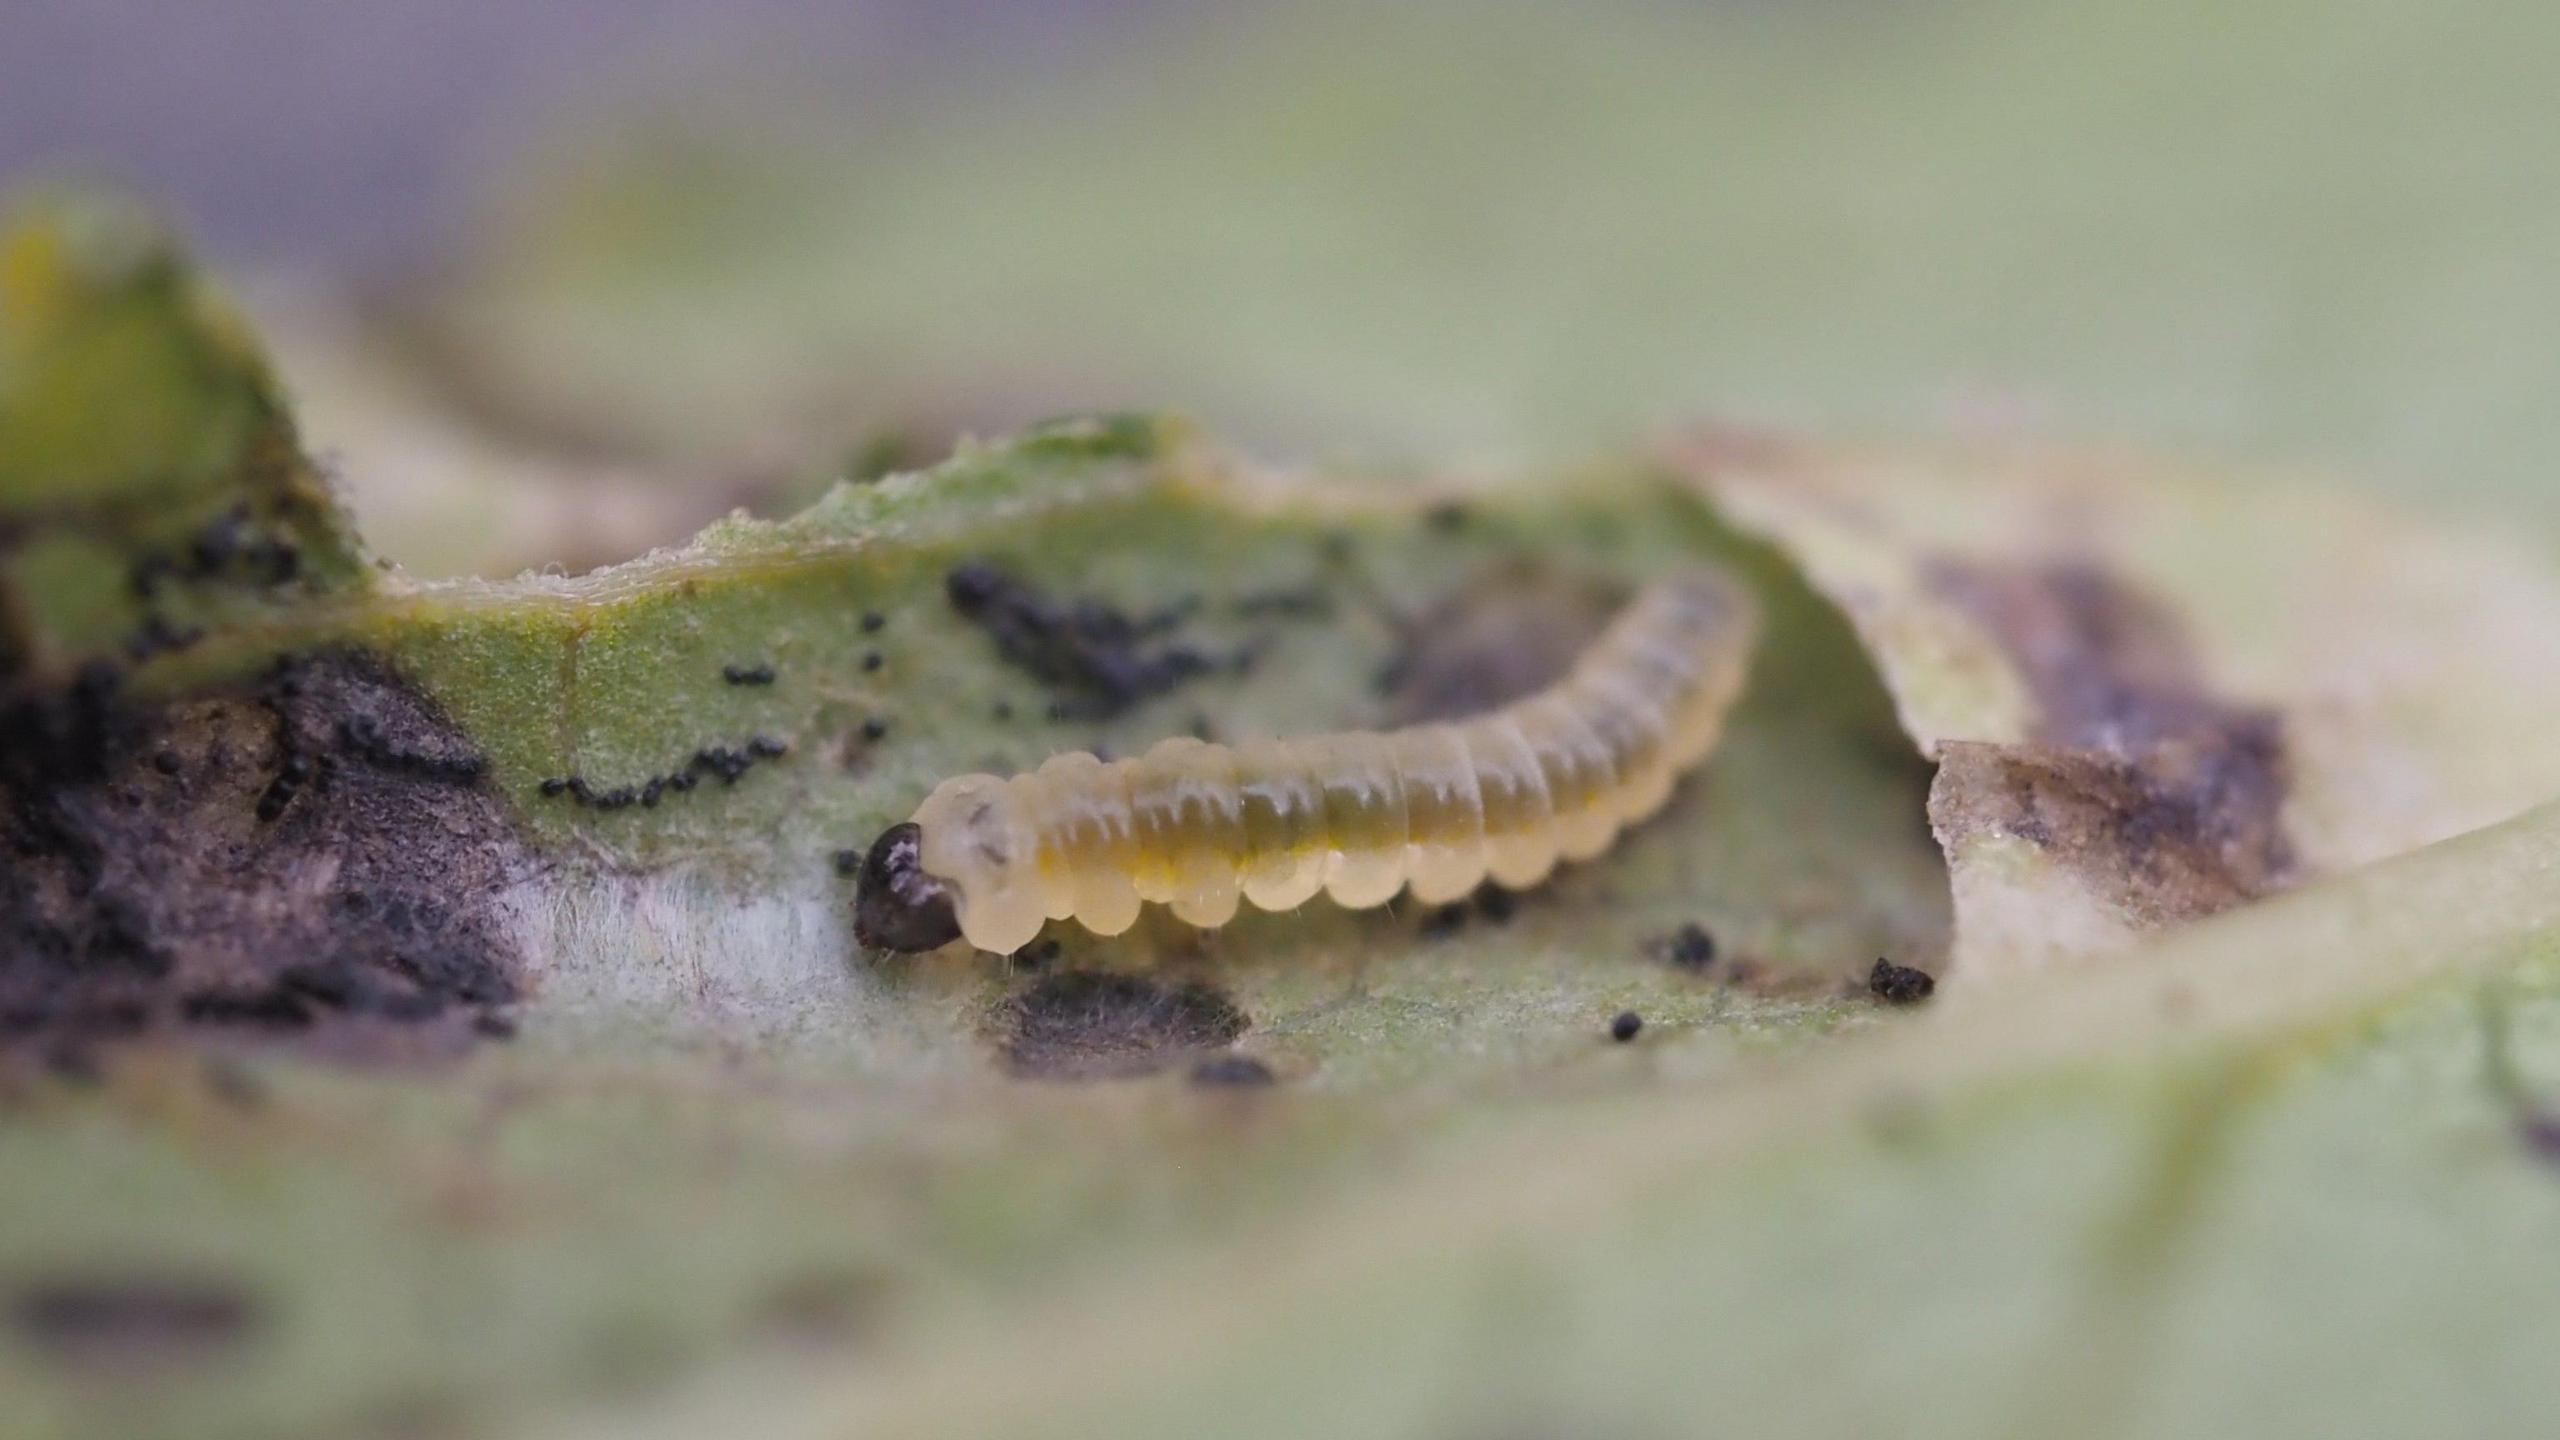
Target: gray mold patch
(317,859)
(1095,1025)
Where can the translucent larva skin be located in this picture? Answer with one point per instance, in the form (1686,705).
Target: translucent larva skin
(1361,815)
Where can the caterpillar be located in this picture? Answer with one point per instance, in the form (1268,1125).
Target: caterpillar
(1359,816)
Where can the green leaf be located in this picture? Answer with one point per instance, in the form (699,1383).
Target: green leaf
(2251,1180)
(150,481)
(2266,1174)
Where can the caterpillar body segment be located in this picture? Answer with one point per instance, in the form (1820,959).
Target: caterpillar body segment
(1436,808)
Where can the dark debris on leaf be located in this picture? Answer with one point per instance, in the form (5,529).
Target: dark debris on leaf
(1691,947)
(1095,658)
(724,763)
(1899,984)
(1233,1071)
(123,1322)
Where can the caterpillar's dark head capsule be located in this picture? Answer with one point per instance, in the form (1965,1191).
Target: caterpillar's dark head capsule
(897,906)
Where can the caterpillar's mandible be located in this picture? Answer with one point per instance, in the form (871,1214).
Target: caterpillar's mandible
(1360,815)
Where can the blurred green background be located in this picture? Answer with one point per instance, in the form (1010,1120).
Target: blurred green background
(2315,230)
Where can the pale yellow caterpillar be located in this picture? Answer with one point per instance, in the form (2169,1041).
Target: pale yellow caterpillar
(1360,815)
